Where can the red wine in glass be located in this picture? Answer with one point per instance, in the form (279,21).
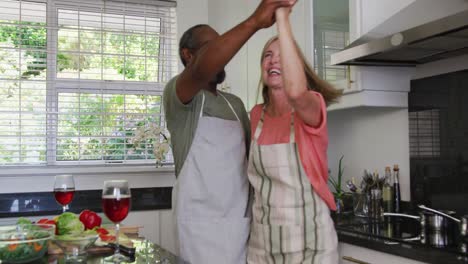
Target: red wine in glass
(64,196)
(116,209)
(64,190)
(116,205)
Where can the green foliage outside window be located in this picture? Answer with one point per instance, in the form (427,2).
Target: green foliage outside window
(102,129)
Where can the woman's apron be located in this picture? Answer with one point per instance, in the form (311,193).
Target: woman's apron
(291,223)
(210,195)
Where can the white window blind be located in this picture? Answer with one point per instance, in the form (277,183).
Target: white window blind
(79,77)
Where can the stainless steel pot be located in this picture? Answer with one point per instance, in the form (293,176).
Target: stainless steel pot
(462,222)
(438,228)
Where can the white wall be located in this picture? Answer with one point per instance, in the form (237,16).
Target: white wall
(370,138)
(441,67)
(190,13)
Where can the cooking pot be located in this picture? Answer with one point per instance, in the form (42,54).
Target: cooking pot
(462,222)
(438,228)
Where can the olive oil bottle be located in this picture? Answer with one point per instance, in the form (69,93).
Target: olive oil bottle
(387,191)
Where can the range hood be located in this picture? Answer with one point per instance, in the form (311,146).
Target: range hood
(439,39)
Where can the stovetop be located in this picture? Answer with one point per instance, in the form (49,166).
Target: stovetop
(402,230)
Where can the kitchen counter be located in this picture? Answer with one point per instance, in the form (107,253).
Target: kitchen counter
(146,252)
(363,233)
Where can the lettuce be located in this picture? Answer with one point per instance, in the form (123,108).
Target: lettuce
(69,224)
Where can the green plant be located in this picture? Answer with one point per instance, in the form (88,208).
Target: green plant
(336,183)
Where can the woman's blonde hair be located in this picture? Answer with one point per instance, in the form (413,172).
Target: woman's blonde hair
(314,82)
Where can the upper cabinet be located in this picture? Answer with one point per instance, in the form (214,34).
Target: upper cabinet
(331,27)
(362,86)
(321,28)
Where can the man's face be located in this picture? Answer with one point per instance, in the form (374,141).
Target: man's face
(203,36)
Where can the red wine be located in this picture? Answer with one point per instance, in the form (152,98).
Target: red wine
(64,196)
(116,209)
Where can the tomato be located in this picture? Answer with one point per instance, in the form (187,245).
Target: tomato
(43,221)
(102,231)
(90,219)
(107,238)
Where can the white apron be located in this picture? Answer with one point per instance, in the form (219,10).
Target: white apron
(210,195)
(291,224)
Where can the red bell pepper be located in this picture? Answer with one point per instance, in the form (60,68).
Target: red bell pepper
(102,231)
(90,219)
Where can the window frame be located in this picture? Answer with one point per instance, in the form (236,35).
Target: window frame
(55,86)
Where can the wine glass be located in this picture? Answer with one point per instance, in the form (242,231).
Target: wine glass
(64,190)
(116,204)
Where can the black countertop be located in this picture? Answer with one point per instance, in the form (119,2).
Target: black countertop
(365,233)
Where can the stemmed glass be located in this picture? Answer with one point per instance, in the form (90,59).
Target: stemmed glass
(116,204)
(64,190)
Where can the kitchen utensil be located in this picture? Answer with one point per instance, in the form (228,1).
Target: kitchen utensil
(438,228)
(462,222)
(351,186)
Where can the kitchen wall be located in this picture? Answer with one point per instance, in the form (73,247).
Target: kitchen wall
(441,67)
(369,138)
(372,138)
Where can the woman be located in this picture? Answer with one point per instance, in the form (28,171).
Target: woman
(288,160)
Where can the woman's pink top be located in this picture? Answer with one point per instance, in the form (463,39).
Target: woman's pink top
(312,143)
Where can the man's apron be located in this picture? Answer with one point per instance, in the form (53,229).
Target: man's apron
(210,195)
(290,222)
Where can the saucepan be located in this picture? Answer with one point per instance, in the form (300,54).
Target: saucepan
(438,228)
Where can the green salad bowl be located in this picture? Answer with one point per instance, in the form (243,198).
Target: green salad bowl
(24,243)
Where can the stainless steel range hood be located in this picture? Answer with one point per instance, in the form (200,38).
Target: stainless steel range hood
(435,40)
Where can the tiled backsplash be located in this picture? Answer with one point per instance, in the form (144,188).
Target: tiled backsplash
(43,203)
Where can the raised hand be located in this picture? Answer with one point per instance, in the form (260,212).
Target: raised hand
(283,12)
(264,15)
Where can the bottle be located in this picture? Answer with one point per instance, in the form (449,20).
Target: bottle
(387,191)
(396,188)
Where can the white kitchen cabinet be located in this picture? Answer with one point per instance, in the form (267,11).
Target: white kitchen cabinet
(373,86)
(330,35)
(350,254)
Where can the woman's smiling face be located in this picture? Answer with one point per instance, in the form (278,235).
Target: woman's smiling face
(271,67)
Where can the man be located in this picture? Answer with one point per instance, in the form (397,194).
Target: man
(210,134)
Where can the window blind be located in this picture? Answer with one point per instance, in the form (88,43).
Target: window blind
(80,77)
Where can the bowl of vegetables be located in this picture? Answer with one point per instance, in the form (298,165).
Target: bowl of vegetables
(74,246)
(24,243)
(73,238)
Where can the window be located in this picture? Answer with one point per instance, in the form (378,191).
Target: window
(424,128)
(332,41)
(331,35)
(79,77)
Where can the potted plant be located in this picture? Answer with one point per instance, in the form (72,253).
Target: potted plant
(343,199)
